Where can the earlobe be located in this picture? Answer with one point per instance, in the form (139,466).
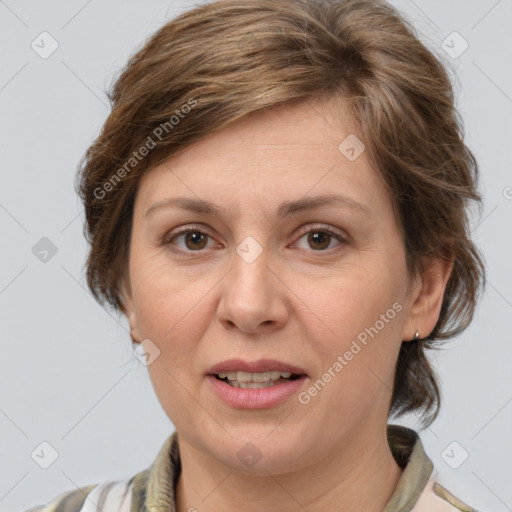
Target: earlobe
(428,299)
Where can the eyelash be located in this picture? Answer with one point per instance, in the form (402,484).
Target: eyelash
(304,231)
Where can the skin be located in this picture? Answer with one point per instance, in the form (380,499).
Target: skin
(301,301)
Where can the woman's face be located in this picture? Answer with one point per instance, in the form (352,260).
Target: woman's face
(323,288)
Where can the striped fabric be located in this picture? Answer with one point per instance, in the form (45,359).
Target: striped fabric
(152,490)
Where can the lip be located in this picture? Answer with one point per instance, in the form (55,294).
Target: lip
(264,398)
(262,365)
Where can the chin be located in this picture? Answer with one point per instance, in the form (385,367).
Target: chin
(258,452)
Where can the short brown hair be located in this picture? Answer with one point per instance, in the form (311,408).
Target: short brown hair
(230,58)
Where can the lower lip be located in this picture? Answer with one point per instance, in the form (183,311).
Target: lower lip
(255,398)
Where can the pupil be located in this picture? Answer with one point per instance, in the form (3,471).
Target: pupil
(195,237)
(318,237)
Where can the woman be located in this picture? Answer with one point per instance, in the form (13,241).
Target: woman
(278,204)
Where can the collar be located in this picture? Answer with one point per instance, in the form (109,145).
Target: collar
(154,488)
(407,449)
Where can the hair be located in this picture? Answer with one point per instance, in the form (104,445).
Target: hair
(222,61)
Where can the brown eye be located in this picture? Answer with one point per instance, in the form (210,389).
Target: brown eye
(193,240)
(319,238)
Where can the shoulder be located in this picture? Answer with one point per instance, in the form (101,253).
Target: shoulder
(112,496)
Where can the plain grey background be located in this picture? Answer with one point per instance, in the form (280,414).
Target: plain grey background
(68,374)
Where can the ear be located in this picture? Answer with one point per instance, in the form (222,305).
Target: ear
(427,298)
(125,291)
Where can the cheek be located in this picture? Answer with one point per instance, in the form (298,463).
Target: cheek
(356,315)
(171,312)
(347,301)
(170,305)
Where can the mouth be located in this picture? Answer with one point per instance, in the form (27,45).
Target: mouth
(262,380)
(260,384)
(249,394)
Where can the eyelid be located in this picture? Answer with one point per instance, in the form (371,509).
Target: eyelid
(323,228)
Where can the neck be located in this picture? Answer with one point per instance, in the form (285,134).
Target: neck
(362,475)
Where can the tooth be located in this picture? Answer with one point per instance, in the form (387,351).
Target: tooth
(243,376)
(261,377)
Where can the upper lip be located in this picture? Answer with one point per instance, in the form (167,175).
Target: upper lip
(262,365)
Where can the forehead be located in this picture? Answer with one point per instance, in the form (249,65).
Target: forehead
(284,153)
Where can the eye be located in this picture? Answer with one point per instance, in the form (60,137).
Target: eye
(320,237)
(194,239)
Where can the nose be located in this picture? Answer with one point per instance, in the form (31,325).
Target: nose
(254,297)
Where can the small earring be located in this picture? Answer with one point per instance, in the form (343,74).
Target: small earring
(417,336)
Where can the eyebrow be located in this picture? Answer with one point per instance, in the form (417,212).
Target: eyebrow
(285,209)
